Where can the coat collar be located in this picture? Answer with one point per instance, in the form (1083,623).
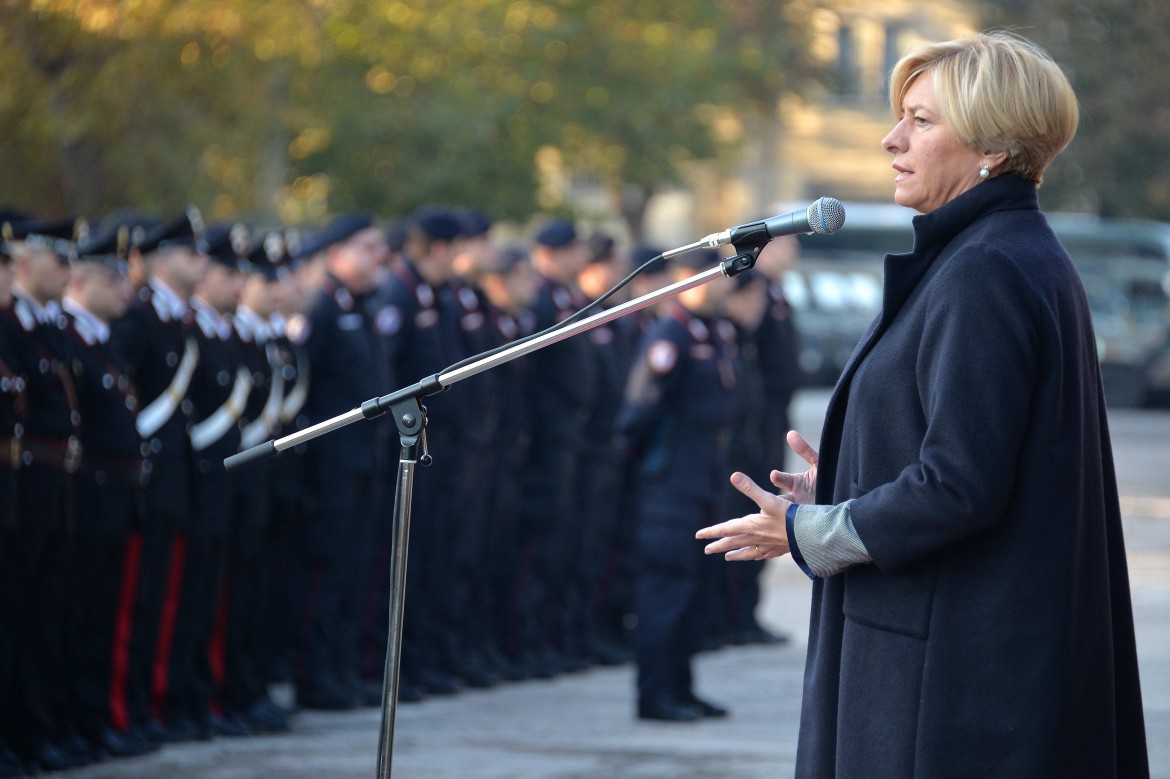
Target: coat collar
(935,230)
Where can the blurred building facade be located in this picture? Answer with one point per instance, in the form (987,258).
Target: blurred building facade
(828,142)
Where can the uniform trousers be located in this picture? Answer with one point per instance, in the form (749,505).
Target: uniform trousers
(38,557)
(335,569)
(94,581)
(667,594)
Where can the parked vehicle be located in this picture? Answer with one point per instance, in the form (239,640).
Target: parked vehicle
(1125,265)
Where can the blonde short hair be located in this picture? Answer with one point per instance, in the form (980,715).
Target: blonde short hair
(998,92)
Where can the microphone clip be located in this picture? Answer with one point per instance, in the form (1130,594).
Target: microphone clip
(747,251)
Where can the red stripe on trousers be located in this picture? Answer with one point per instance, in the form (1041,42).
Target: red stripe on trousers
(123,629)
(166,631)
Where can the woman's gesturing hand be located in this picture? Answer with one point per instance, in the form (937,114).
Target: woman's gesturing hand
(798,487)
(756,536)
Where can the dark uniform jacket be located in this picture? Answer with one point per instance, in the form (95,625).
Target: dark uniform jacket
(992,635)
(113,467)
(421,328)
(219,394)
(349,367)
(39,349)
(160,354)
(679,405)
(13,401)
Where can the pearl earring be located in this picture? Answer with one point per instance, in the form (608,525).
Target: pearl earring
(985,171)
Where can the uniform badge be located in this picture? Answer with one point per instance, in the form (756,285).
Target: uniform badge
(425,295)
(388,321)
(662,356)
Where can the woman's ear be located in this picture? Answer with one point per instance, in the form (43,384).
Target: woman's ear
(994,160)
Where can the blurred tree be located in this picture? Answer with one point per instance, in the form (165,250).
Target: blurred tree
(290,108)
(1112,51)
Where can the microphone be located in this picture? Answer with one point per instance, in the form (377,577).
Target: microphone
(824,217)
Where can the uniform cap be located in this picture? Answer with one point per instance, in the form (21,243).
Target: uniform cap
(228,244)
(109,246)
(557,234)
(601,247)
(340,229)
(186,230)
(269,257)
(58,236)
(437,223)
(473,223)
(138,222)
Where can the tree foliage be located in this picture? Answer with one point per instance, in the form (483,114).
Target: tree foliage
(1113,52)
(291,108)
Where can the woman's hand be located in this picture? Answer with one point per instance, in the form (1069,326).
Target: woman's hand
(798,487)
(756,536)
(764,535)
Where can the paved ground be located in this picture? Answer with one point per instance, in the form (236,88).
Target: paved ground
(582,725)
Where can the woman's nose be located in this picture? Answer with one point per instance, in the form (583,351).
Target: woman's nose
(893,142)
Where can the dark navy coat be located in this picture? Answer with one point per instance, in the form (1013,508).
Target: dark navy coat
(992,635)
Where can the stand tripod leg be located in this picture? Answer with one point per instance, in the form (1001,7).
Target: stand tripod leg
(403,495)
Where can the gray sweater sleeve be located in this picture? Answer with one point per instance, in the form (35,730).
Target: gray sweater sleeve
(827,540)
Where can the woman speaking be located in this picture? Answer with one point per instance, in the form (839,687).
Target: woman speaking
(971,610)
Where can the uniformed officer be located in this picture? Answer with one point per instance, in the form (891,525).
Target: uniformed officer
(563,380)
(617,599)
(417,317)
(779,345)
(509,285)
(12,405)
(245,688)
(735,590)
(346,468)
(156,342)
(109,484)
(676,422)
(218,392)
(599,488)
(289,494)
(49,454)
(777,342)
(471,562)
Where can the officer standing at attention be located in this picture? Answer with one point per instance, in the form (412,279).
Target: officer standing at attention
(49,453)
(157,346)
(109,485)
(471,562)
(345,469)
(420,323)
(289,495)
(599,487)
(563,380)
(509,287)
(12,405)
(676,420)
(218,392)
(245,688)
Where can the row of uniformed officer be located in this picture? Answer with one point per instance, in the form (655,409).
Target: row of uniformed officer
(523,547)
(121,530)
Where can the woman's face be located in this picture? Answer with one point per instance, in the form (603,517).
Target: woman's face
(933,166)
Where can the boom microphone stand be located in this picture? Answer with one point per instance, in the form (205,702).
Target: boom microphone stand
(410,416)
